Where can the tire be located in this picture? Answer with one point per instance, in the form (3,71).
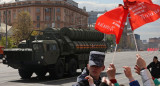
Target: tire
(41,73)
(72,68)
(57,71)
(25,74)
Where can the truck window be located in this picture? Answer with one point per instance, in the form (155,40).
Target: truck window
(51,47)
(37,47)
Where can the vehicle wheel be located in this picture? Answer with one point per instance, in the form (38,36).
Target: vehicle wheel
(25,74)
(41,73)
(57,71)
(72,69)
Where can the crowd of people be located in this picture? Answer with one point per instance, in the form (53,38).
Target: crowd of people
(91,74)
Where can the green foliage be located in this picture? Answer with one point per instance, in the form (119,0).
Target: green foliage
(22,27)
(10,42)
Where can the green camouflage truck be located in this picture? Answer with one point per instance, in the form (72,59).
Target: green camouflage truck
(56,51)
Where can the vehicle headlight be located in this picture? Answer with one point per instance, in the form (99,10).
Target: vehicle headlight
(3,58)
(39,62)
(42,57)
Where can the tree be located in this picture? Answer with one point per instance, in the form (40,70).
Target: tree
(22,27)
(10,42)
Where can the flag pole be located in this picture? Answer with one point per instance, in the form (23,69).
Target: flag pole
(114,53)
(135,41)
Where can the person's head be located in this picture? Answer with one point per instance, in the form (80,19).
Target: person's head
(96,63)
(155,59)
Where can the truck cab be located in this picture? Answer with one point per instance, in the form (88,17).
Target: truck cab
(46,52)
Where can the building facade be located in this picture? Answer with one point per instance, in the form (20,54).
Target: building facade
(93,15)
(154,42)
(46,13)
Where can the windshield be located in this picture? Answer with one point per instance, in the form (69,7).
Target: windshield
(37,47)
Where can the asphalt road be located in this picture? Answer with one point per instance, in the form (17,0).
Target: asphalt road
(10,77)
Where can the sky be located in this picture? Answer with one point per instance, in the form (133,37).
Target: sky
(147,31)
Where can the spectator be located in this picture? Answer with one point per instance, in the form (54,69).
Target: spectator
(111,72)
(106,82)
(143,71)
(93,70)
(155,67)
(137,70)
(128,73)
(156,81)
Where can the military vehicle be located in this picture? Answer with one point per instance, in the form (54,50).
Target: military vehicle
(56,51)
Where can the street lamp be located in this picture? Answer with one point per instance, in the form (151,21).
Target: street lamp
(6,31)
(0,28)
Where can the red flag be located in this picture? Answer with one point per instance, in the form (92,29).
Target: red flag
(112,22)
(128,2)
(141,13)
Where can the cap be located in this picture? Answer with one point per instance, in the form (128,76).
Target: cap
(96,58)
(155,57)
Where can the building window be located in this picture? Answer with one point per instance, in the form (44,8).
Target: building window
(38,18)
(54,14)
(38,10)
(72,19)
(47,18)
(58,10)
(48,10)
(58,25)
(29,10)
(19,10)
(9,12)
(4,12)
(9,21)
(25,9)
(58,18)
(38,25)
(48,25)
(14,15)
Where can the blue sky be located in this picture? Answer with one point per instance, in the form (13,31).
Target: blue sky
(147,31)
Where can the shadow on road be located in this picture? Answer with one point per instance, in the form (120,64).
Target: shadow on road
(47,81)
(72,79)
(104,74)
